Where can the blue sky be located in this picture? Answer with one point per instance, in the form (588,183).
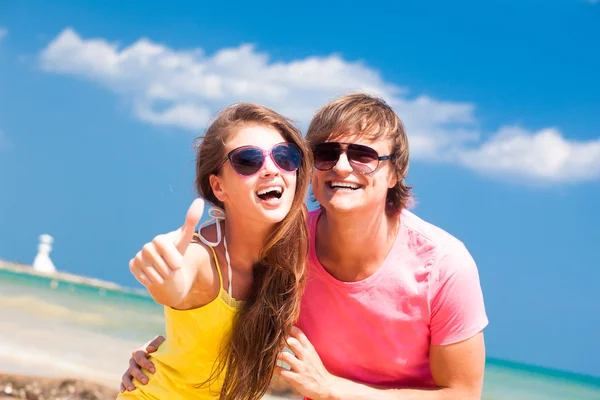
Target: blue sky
(99,105)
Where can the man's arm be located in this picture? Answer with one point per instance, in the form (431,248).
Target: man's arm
(457,371)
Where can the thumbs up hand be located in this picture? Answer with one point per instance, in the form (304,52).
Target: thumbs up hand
(160,264)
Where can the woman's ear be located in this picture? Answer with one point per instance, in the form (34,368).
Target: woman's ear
(217,188)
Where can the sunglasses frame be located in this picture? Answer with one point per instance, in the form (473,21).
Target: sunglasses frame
(344,149)
(265,154)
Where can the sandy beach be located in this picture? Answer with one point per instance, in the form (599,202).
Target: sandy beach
(30,387)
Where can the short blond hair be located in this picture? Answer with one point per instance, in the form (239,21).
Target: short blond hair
(363,115)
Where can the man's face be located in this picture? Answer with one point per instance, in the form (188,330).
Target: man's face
(343,189)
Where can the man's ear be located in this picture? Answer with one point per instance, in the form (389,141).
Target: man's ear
(393,180)
(217,188)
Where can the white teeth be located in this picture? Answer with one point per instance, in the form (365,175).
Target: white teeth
(277,189)
(344,185)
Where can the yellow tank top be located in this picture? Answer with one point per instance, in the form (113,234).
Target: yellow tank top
(186,359)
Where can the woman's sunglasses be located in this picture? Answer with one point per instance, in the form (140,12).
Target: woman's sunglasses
(248,160)
(362,159)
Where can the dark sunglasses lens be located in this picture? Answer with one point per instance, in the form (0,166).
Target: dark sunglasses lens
(362,158)
(287,156)
(326,155)
(247,161)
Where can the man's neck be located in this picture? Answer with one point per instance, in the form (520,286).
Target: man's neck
(352,246)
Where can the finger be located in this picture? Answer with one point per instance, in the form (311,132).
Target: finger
(290,376)
(141,360)
(298,334)
(192,218)
(142,270)
(121,388)
(143,278)
(126,381)
(155,344)
(296,347)
(139,275)
(151,255)
(167,252)
(136,372)
(153,276)
(290,360)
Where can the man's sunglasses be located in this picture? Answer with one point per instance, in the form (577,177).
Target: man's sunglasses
(362,159)
(248,160)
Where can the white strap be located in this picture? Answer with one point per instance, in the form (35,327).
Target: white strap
(229,273)
(217,215)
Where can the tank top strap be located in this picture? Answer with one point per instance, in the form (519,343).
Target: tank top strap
(216,263)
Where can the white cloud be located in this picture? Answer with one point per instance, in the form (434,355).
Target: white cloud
(537,156)
(184,88)
(3,33)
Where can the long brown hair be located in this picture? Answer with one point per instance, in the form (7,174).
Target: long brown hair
(365,115)
(262,326)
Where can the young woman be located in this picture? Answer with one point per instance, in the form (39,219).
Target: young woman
(231,291)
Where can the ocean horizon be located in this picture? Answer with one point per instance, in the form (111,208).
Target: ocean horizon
(68,325)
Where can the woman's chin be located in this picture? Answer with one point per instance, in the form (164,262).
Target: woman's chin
(275,214)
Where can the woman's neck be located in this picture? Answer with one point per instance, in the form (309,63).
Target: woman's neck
(245,240)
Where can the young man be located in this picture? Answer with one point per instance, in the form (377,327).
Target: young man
(393,308)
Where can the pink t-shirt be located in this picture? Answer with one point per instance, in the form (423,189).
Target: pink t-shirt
(378,330)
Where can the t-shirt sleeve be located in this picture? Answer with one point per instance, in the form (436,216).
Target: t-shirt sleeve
(457,306)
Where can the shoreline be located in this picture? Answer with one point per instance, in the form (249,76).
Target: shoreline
(68,277)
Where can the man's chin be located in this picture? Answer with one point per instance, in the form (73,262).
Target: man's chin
(338,206)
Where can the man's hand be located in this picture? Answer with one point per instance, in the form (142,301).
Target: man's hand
(307,374)
(138,361)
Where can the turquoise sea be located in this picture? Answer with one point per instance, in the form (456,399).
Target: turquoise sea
(56,327)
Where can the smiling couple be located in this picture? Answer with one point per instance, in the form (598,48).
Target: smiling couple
(372,301)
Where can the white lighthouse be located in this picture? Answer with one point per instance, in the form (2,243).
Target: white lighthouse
(42,262)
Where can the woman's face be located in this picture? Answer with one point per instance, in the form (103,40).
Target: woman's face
(265,196)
